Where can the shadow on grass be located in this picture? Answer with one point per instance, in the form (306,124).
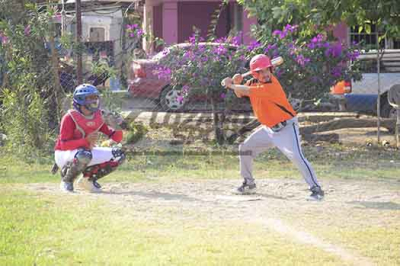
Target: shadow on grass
(377,205)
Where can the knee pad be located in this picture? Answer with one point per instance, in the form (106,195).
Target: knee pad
(245,151)
(83,156)
(72,169)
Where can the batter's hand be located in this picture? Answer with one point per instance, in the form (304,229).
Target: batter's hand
(227,82)
(237,79)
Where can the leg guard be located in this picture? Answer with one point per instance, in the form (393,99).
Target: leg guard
(98,171)
(72,169)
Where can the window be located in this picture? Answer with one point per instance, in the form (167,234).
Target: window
(97,34)
(368,40)
(396,44)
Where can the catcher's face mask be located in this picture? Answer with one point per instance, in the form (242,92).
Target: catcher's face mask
(92,103)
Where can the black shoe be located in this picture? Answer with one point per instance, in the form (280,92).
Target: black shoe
(96,184)
(246,189)
(317,193)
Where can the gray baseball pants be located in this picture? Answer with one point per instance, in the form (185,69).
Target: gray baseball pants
(287,140)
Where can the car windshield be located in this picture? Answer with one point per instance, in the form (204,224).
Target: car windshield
(161,54)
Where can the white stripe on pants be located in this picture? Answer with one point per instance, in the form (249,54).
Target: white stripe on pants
(287,141)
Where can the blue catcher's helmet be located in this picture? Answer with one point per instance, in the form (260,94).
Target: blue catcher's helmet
(80,97)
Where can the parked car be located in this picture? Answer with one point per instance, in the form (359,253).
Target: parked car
(361,96)
(144,83)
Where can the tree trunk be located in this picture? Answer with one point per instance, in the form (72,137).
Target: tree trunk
(122,75)
(218,123)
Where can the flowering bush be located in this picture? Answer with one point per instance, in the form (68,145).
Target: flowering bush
(311,66)
(199,67)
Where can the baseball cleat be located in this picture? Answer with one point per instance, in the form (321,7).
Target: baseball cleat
(246,189)
(317,193)
(66,186)
(88,185)
(96,184)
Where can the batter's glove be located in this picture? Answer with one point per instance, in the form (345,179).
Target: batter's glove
(114,120)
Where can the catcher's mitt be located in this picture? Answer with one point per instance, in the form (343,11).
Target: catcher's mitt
(114,120)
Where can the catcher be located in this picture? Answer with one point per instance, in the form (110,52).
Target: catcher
(279,126)
(75,151)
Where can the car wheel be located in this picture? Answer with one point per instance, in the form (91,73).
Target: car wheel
(388,111)
(171,100)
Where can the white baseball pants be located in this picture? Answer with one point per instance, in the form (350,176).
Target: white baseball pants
(287,140)
(100,155)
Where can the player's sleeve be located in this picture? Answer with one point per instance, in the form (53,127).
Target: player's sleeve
(67,141)
(115,135)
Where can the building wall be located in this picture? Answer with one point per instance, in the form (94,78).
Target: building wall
(173,20)
(199,15)
(340,31)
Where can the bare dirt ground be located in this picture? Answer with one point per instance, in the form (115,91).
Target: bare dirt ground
(279,205)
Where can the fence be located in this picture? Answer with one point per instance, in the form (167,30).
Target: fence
(174,122)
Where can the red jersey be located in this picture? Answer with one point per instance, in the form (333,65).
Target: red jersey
(75,127)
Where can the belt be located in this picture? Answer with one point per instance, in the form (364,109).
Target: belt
(278,127)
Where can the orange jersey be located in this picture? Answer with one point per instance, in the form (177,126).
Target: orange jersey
(269,102)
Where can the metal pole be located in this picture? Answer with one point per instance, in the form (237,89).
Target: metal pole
(397,128)
(78,41)
(378,103)
(63,18)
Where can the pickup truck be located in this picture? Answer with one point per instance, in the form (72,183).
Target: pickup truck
(361,96)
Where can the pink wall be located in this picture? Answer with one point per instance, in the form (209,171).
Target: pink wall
(158,21)
(173,20)
(340,32)
(170,22)
(247,22)
(198,14)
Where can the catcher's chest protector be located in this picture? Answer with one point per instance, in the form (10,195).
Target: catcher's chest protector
(85,126)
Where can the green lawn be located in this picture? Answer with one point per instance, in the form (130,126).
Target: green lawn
(41,228)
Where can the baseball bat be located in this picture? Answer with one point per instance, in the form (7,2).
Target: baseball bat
(275,62)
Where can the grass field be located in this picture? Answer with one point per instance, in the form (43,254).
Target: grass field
(178,210)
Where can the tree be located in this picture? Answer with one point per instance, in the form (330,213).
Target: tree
(30,95)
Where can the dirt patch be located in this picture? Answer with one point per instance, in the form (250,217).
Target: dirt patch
(279,205)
